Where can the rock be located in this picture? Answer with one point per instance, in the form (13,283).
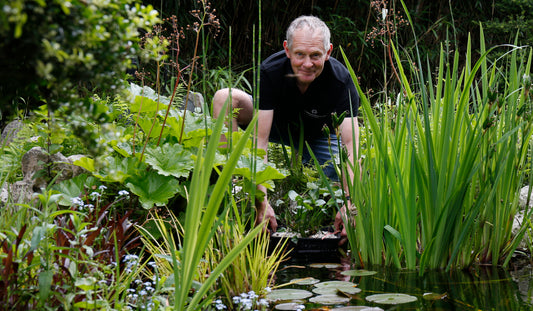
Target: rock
(36,172)
(33,161)
(519,217)
(517,224)
(36,175)
(10,132)
(195,102)
(522,200)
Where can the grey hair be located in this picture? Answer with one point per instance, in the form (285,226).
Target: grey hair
(314,24)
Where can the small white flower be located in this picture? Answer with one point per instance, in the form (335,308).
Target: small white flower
(252,295)
(77,201)
(102,187)
(384,13)
(263,302)
(95,195)
(123,193)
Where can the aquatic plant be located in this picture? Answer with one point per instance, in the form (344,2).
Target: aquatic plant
(440,179)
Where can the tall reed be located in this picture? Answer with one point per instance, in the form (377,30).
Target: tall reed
(201,219)
(440,178)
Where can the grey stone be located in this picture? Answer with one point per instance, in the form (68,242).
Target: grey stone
(518,220)
(37,159)
(195,102)
(522,200)
(10,132)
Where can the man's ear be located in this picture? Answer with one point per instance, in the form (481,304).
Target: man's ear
(286,48)
(328,53)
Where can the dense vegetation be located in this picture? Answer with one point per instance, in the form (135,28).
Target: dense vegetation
(445,141)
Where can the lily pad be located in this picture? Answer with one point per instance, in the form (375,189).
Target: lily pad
(289,306)
(329,299)
(391,299)
(325,265)
(434,296)
(357,308)
(335,284)
(359,272)
(305,281)
(335,290)
(288,294)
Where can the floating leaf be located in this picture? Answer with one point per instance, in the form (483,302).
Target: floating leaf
(305,281)
(288,294)
(329,299)
(325,265)
(391,299)
(359,272)
(434,296)
(335,290)
(336,284)
(357,308)
(289,306)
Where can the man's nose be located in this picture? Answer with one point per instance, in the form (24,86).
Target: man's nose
(307,62)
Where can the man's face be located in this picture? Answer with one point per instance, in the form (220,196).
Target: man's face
(307,55)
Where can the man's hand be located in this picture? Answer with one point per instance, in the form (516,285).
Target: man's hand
(265,212)
(339,221)
(339,225)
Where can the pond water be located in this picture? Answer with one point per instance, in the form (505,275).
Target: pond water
(480,288)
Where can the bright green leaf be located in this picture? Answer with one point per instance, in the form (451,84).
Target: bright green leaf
(153,189)
(170,160)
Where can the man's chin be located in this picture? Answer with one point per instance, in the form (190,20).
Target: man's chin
(306,80)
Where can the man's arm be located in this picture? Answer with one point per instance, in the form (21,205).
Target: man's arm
(349,131)
(263,209)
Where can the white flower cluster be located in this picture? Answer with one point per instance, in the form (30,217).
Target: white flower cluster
(141,294)
(249,301)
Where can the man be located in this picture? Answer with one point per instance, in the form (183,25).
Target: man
(300,88)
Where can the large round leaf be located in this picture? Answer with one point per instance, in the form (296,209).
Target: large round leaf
(391,299)
(335,284)
(288,294)
(336,290)
(325,265)
(289,306)
(358,272)
(329,299)
(305,281)
(357,308)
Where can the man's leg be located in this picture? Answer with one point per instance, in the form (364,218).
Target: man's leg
(240,101)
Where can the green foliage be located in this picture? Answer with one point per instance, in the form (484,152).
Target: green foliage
(51,50)
(67,258)
(439,186)
(149,160)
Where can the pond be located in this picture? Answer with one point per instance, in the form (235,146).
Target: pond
(480,288)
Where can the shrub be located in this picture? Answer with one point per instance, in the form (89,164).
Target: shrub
(50,50)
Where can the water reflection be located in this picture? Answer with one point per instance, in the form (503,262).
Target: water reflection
(481,288)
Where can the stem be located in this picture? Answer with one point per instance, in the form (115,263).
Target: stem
(156,112)
(190,82)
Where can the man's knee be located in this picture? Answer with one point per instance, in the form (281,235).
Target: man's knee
(237,98)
